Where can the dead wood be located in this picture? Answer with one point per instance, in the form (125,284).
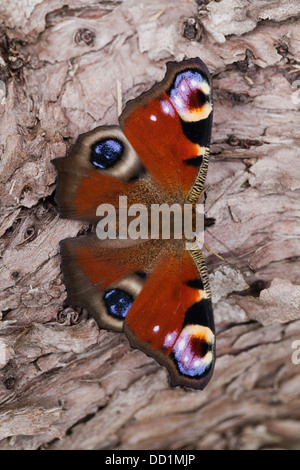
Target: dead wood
(65,384)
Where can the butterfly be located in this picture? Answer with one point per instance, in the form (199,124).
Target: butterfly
(155,290)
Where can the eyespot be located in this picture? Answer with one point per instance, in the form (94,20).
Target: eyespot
(193,350)
(117,302)
(106,153)
(190,96)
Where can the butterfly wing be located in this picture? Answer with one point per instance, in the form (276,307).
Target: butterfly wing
(105,277)
(154,293)
(165,147)
(170,127)
(172,320)
(101,167)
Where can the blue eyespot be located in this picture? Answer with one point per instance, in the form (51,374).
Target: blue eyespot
(118,302)
(106,152)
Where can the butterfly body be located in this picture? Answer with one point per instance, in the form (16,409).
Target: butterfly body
(153,285)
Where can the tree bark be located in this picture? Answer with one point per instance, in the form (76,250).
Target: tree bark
(64,383)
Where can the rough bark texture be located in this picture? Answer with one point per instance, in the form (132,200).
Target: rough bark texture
(67,385)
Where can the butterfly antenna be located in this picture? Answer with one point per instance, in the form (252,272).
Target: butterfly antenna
(229,249)
(224,192)
(203,190)
(213,253)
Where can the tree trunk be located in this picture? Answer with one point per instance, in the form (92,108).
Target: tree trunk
(67,385)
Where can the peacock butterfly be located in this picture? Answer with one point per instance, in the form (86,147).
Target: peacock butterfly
(154,289)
